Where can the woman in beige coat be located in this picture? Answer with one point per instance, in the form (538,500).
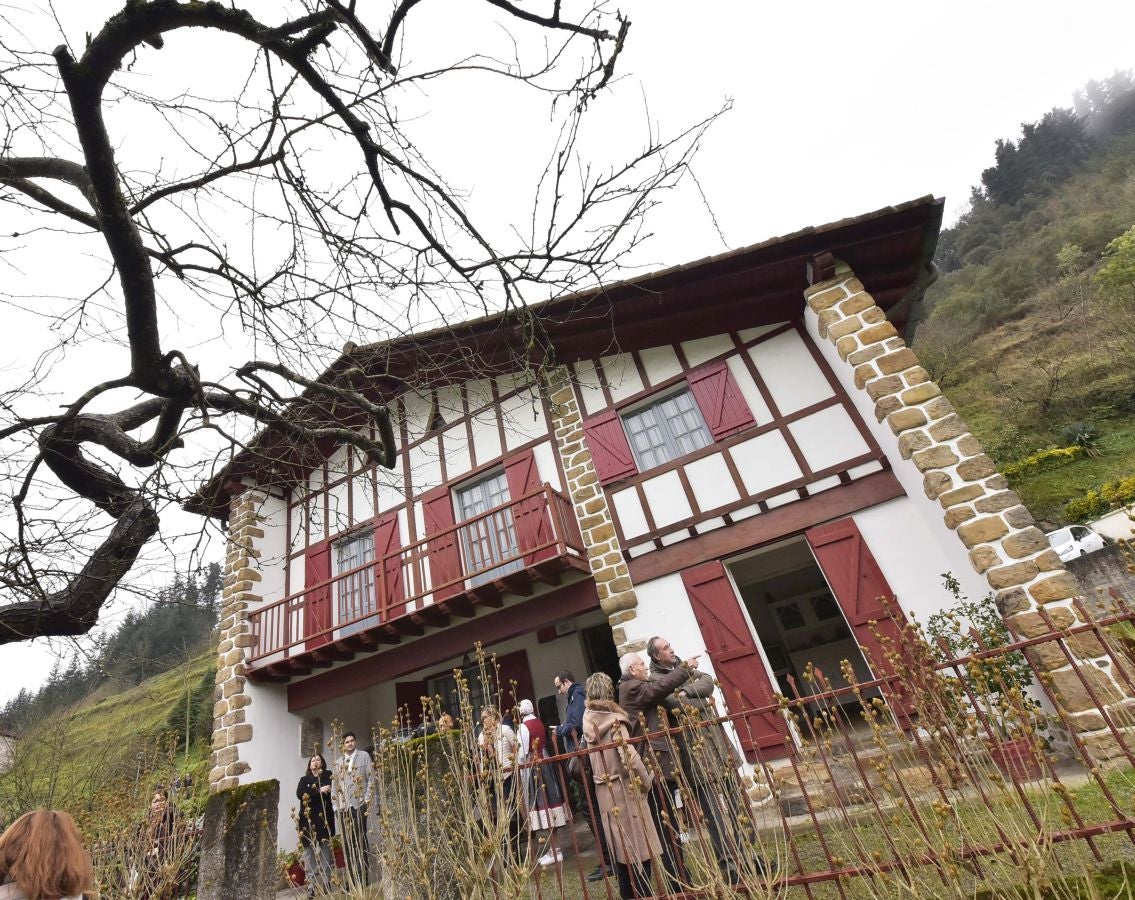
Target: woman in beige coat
(621,785)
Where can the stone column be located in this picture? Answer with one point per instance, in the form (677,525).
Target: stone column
(605,556)
(238,844)
(231,697)
(1003,542)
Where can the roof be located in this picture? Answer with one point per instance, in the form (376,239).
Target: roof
(890,250)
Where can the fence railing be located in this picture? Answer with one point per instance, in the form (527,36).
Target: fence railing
(500,547)
(982,784)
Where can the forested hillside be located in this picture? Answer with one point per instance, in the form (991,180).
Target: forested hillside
(1031,326)
(175,628)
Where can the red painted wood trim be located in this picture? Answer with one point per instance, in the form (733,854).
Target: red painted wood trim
(834,383)
(434,649)
(781,522)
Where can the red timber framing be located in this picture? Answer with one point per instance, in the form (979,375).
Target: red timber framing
(867,601)
(781,522)
(524,618)
(406,590)
(730,421)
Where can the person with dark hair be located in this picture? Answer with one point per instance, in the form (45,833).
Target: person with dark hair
(622,783)
(42,858)
(316,824)
(159,838)
(351,787)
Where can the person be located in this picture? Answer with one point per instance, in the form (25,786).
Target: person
(648,698)
(499,755)
(622,782)
(542,797)
(159,838)
(351,786)
(707,760)
(569,733)
(42,858)
(445,722)
(317,824)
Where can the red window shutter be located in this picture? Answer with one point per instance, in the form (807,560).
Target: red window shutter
(442,551)
(514,679)
(530,517)
(389,585)
(317,600)
(866,599)
(720,400)
(739,668)
(610,451)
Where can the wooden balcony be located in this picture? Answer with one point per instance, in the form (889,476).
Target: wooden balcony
(505,550)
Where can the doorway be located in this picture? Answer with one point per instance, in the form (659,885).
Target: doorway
(798,620)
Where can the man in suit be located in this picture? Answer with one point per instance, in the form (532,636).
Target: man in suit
(351,787)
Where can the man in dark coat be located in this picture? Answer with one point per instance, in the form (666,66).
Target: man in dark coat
(646,697)
(707,759)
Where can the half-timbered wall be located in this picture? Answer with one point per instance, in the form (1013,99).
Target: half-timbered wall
(783,430)
(448,436)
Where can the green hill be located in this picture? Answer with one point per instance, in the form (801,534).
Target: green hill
(1031,327)
(101,758)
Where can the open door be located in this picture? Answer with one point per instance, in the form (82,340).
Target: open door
(868,604)
(736,661)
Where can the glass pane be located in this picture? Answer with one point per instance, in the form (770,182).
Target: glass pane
(355,596)
(790,617)
(492,538)
(825,607)
(648,439)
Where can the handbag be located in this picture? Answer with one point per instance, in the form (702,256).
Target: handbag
(575,764)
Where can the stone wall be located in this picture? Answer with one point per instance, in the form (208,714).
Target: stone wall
(238,843)
(1003,542)
(604,554)
(1103,569)
(231,697)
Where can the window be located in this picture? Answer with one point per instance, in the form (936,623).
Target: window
(487,539)
(355,596)
(445,689)
(666,429)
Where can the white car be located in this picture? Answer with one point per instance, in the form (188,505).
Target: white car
(1073,541)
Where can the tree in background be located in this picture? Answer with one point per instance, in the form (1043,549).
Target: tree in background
(292,201)
(1048,153)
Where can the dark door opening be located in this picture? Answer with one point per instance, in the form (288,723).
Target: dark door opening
(798,620)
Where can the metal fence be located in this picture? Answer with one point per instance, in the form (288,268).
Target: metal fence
(980,782)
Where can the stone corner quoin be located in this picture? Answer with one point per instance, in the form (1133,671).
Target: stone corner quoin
(1028,580)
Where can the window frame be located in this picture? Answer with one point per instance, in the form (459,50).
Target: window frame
(360,585)
(670,438)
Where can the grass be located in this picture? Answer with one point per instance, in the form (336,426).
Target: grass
(111,744)
(1045,493)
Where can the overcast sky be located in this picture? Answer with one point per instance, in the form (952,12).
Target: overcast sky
(838,109)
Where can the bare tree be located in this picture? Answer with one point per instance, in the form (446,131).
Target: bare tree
(290,203)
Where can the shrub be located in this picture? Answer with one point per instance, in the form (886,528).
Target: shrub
(1099,501)
(1082,434)
(1044,460)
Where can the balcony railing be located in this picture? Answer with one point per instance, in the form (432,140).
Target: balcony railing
(503,550)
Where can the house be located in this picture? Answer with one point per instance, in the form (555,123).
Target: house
(741,454)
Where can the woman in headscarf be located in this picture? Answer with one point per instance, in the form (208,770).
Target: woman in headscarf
(542,796)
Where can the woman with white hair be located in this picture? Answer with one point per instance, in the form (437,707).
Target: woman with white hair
(542,795)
